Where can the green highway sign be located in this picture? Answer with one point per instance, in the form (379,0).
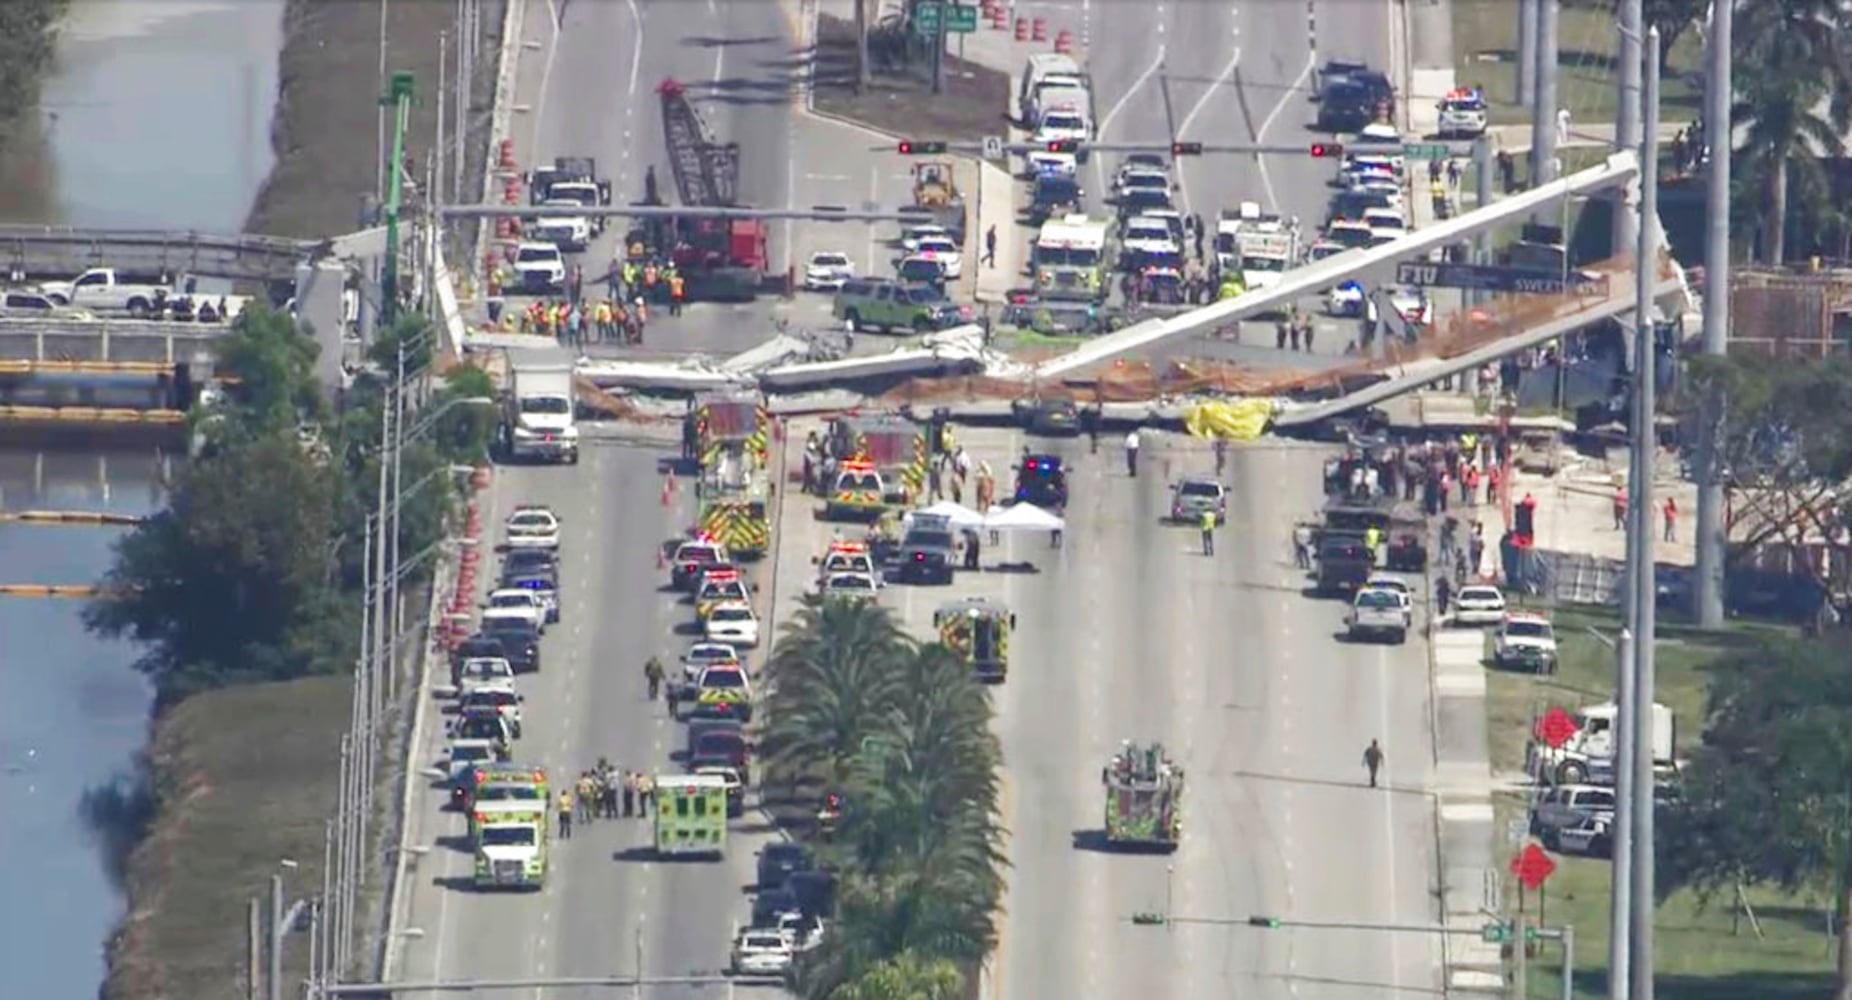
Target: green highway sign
(1426,150)
(959,20)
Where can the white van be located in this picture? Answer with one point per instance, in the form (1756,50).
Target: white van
(1050,68)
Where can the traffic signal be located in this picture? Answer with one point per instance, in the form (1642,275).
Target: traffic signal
(909,147)
(1186,149)
(1064,146)
(1324,150)
(1271,923)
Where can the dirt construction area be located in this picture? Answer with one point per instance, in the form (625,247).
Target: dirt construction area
(899,98)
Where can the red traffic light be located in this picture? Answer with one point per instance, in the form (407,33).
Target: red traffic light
(1186,149)
(1064,146)
(909,147)
(1327,149)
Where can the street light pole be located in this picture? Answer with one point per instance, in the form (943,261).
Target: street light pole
(1627,110)
(1646,270)
(1719,91)
(392,602)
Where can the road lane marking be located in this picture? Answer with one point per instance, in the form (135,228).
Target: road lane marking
(1260,136)
(630,91)
(1384,680)
(1099,164)
(546,76)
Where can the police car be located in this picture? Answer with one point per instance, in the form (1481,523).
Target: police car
(1463,113)
(532,528)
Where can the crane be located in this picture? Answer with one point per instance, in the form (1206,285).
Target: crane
(399,98)
(706,171)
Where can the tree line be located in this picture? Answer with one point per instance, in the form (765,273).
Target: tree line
(901,730)
(253,571)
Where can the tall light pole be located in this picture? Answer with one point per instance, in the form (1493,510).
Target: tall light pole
(1646,273)
(1543,110)
(1719,90)
(1627,110)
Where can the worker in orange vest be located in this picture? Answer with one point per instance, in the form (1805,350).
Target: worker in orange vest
(678,288)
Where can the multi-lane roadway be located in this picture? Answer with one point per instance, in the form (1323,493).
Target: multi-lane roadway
(1223,659)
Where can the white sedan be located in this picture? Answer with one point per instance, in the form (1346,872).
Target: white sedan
(532,528)
(827,271)
(732,623)
(910,239)
(519,602)
(1478,604)
(943,252)
(761,953)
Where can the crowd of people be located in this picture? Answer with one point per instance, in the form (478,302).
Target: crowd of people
(605,791)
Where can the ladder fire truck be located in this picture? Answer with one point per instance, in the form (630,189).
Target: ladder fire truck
(722,259)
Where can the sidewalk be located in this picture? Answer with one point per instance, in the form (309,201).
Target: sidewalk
(996,206)
(1463,793)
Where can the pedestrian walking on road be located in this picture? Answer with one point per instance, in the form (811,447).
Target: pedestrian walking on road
(630,794)
(1208,526)
(1302,546)
(1373,760)
(1131,454)
(990,247)
(587,797)
(652,673)
(646,793)
(565,814)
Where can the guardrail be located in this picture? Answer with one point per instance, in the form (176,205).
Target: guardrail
(118,341)
(58,251)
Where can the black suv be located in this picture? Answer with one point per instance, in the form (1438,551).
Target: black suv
(1352,95)
(520,642)
(1040,480)
(926,556)
(781,860)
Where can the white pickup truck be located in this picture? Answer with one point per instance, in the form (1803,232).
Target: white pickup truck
(105,290)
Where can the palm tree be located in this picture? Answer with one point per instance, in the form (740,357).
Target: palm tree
(832,674)
(1793,101)
(905,975)
(905,729)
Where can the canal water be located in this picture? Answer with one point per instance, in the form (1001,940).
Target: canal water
(158,117)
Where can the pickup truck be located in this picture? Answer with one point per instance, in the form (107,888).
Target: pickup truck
(105,289)
(1378,613)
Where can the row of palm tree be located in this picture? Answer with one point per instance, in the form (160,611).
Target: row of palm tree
(901,730)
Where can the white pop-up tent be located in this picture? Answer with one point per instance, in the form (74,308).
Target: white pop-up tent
(1022,517)
(957,514)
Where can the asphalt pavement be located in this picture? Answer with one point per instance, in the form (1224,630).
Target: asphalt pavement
(1240,676)
(606,902)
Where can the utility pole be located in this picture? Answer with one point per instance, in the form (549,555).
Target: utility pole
(379,150)
(1620,885)
(1627,112)
(1718,91)
(1646,272)
(1527,53)
(434,195)
(318,931)
(391,668)
(938,48)
(275,978)
(253,953)
(1543,110)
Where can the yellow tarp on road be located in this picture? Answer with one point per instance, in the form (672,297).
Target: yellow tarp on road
(1239,420)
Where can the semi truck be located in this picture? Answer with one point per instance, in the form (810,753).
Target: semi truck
(538,415)
(1589,752)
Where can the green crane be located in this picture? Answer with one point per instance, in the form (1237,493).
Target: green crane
(399,98)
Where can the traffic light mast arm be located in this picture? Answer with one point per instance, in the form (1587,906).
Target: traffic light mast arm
(1273,923)
(911,147)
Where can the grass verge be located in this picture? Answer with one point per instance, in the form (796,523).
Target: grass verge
(903,103)
(1703,952)
(243,778)
(328,104)
(1485,53)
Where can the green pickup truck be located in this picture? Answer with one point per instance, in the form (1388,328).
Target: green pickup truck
(878,304)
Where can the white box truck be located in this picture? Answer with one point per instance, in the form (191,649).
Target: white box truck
(538,415)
